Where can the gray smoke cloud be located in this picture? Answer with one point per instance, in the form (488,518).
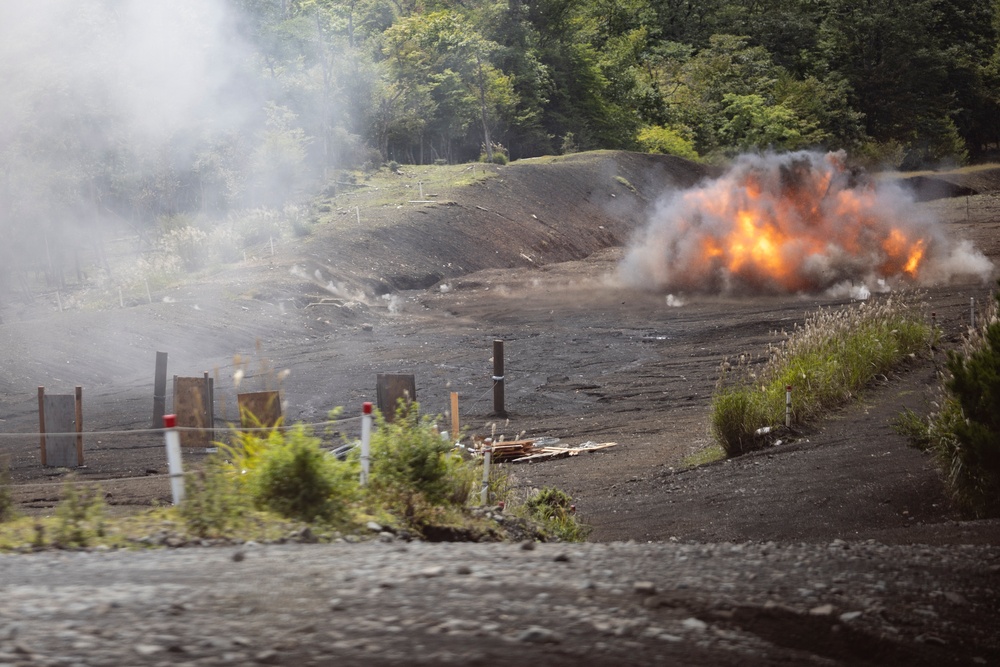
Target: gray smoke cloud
(104,102)
(799,222)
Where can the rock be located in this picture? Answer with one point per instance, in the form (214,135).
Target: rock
(561,557)
(528,545)
(463,569)
(539,635)
(955,598)
(238,556)
(147,650)
(335,604)
(644,587)
(694,624)
(432,571)
(267,657)
(373,527)
(822,610)
(849,616)
(386,536)
(9,632)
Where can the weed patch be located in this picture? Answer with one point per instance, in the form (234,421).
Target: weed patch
(964,434)
(828,360)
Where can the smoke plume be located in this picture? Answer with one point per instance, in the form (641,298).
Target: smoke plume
(799,222)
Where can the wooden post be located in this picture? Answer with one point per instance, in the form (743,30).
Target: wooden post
(498,379)
(455,435)
(209,398)
(79,425)
(41,421)
(160,390)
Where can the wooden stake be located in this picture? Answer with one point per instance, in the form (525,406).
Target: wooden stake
(41,421)
(498,379)
(79,425)
(456,436)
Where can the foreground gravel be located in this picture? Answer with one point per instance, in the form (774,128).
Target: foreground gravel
(395,603)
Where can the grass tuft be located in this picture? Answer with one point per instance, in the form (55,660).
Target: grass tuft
(828,360)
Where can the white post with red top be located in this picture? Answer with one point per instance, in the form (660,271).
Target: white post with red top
(366,441)
(173,441)
(484,494)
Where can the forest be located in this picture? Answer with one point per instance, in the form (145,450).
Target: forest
(143,112)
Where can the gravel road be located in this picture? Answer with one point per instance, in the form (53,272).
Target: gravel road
(386,602)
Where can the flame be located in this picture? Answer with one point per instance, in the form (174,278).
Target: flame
(792,223)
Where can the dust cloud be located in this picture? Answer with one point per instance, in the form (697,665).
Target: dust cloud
(794,223)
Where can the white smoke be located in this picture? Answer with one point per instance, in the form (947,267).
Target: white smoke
(798,222)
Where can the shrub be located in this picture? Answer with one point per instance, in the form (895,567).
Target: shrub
(290,474)
(554,510)
(188,243)
(8,508)
(965,433)
(413,466)
(297,479)
(500,155)
(668,141)
(80,515)
(828,360)
(213,504)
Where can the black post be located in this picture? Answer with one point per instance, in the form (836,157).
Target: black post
(498,407)
(160,390)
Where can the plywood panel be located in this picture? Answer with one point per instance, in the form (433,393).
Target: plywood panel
(392,388)
(259,406)
(60,418)
(192,405)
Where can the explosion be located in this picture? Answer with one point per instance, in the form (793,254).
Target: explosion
(799,222)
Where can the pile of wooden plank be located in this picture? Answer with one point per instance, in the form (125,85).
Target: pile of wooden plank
(554,452)
(525,451)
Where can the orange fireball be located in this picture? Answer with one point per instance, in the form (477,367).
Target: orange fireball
(790,223)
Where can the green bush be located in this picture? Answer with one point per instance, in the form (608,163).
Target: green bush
(297,479)
(288,473)
(8,508)
(827,361)
(79,516)
(668,141)
(413,466)
(554,509)
(213,504)
(965,434)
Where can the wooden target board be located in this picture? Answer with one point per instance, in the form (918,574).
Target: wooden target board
(259,408)
(393,388)
(193,407)
(60,431)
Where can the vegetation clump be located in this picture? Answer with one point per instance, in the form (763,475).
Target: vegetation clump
(555,510)
(80,516)
(827,361)
(964,433)
(8,508)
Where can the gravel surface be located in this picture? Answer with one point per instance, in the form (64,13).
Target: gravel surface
(392,603)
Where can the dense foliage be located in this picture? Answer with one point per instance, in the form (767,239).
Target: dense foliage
(964,434)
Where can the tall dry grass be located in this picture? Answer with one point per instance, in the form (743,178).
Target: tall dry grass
(829,359)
